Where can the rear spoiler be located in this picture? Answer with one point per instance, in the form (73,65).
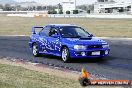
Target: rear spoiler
(36,27)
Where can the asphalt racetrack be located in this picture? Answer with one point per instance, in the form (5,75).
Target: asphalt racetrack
(116,66)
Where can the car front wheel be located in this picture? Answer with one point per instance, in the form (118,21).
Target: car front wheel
(65,55)
(35,50)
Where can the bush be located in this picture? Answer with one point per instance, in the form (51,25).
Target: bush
(88,11)
(60,12)
(52,12)
(67,12)
(75,12)
(49,12)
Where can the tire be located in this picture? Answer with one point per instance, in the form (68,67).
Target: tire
(65,55)
(35,50)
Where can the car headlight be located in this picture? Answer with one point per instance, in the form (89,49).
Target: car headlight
(105,46)
(80,47)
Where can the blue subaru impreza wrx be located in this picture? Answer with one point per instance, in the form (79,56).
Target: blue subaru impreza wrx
(67,41)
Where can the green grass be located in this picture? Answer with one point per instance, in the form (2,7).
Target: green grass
(99,27)
(18,77)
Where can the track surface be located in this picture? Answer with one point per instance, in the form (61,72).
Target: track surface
(116,66)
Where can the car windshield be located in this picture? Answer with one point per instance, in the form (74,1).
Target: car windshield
(74,32)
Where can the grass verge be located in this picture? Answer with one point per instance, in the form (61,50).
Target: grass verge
(18,77)
(99,27)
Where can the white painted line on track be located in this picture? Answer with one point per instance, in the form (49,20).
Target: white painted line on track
(115,38)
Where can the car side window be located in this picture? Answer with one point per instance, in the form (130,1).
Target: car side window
(53,31)
(44,31)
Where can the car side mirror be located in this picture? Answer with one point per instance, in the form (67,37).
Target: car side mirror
(55,36)
(91,35)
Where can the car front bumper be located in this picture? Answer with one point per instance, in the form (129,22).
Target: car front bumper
(88,53)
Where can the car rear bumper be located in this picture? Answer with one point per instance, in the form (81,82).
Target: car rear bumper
(88,53)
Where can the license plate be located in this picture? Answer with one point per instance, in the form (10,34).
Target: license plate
(96,53)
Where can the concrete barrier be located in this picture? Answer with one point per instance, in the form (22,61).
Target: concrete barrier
(70,15)
(109,16)
(20,15)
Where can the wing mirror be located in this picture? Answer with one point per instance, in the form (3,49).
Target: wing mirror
(91,35)
(55,36)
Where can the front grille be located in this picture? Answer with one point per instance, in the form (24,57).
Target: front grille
(94,46)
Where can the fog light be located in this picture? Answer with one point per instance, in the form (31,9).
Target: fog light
(83,53)
(106,52)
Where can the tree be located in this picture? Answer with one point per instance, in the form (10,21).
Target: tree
(86,7)
(39,8)
(59,6)
(7,7)
(112,1)
(43,7)
(88,11)
(18,7)
(60,12)
(13,8)
(83,7)
(91,7)
(34,8)
(51,7)
(1,6)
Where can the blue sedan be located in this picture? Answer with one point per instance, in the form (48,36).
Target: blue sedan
(67,41)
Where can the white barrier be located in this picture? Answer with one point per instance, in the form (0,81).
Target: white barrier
(70,16)
(109,16)
(20,15)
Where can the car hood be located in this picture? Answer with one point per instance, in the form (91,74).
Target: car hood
(79,41)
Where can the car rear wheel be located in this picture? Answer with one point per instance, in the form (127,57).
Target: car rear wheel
(65,55)
(35,50)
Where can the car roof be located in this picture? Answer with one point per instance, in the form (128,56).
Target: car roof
(62,25)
